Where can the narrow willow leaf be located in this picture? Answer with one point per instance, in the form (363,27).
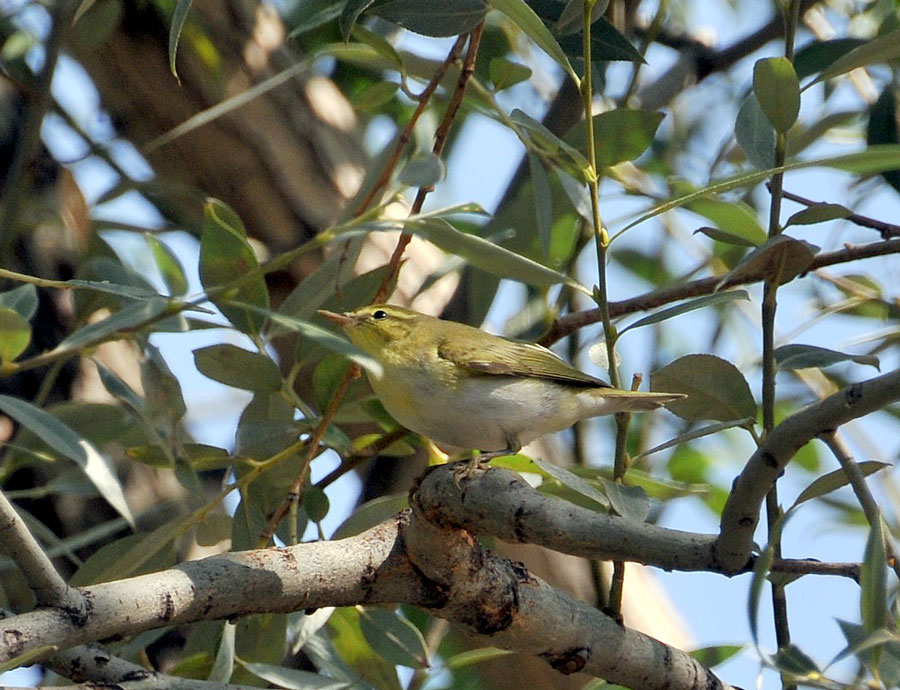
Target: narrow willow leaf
(873,593)
(761,568)
(394,637)
(713,656)
(179,16)
(312,14)
(506,73)
(123,321)
(294,679)
(15,334)
(716,389)
(488,256)
(372,513)
(223,666)
(475,656)
(573,481)
(818,213)
(685,307)
(524,17)
(807,356)
(816,56)
(698,433)
(777,89)
(23,300)
(882,49)
(71,445)
(726,237)
(543,202)
(835,480)
(168,264)
(796,662)
(630,502)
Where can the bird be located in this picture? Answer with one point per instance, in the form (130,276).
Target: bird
(466,389)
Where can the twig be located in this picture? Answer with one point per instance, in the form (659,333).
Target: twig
(741,512)
(353,461)
(20,545)
(568,323)
(887,230)
(857,480)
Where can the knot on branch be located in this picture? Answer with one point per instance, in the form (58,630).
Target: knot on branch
(569,661)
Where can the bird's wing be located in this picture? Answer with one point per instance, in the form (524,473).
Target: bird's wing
(513,358)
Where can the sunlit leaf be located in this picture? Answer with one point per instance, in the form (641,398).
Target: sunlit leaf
(818,213)
(223,666)
(620,135)
(179,17)
(168,264)
(835,480)
(777,89)
(873,592)
(15,334)
(98,468)
(713,656)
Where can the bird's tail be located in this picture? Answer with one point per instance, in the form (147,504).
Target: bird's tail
(635,401)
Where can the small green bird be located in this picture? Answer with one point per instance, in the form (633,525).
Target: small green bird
(468,389)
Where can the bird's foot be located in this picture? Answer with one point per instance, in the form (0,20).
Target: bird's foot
(477,463)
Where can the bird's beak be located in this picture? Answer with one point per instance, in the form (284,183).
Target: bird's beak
(340,319)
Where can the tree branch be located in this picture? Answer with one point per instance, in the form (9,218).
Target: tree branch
(741,512)
(569,323)
(20,545)
(402,560)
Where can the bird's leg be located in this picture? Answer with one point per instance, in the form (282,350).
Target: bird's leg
(465,469)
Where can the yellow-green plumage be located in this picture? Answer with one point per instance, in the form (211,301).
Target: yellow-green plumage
(465,388)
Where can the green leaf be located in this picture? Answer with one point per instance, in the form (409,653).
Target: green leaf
(488,256)
(688,306)
(882,127)
(818,213)
(835,480)
(394,637)
(524,17)
(573,481)
(506,73)
(350,13)
(315,503)
(713,656)
(326,339)
(107,562)
(781,257)
(237,367)
(754,133)
(422,170)
(726,237)
(351,648)
(179,16)
(734,216)
(761,568)
(816,56)
(68,443)
(168,264)
(607,43)
(214,528)
(543,202)
(200,457)
(294,679)
(223,666)
(379,45)
(794,661)
(698,433)
(716,389)
(372,513)
(620,135)
(312,14)
(448,18)
(777,89)
(873,593)
(630,502)
(327,376)
(375,95)
(807,356)
(127,319)
(225,254)
(15,334)
(23,300)
(475,656)
(549,143)
(882,49)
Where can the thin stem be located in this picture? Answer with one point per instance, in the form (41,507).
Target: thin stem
(857,480)
(887,230)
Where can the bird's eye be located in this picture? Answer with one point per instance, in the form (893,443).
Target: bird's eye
(380,314)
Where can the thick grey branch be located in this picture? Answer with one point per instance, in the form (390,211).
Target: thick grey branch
(20,545)
(526,516)
(402,560)
(741,513)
